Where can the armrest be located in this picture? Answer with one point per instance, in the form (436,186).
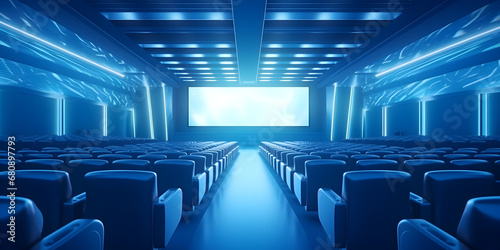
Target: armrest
(281,169)
(210,177)
(332,213)
(299,187)
(78,234)
(216,170)
(288,176)
(420,234)
(420,208)
(74,208)
(167,212)
(199,187)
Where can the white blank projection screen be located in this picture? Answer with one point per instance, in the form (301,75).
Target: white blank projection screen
(248,106)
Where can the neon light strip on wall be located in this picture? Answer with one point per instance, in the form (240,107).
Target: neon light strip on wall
(105,120)
(150,111)
(165,111)
(133,121)
(24,33)
(333,111)
(384,121)
(451,46)
(60,117)
(349,114)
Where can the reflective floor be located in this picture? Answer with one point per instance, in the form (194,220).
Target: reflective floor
(249,210)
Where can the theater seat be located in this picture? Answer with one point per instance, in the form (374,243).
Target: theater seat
(113,157)
(200,167)
(46,164)
(28,223)
(417,169)
(377,164)
(152,157)
(49,189)
(479,228)
(210,163)
(297,176)
(131,164)
(323,173)
(79,168)
(471,164)
(367,213)
(69,157)
(179,173)
(127,203)
(445,194)
(81,234)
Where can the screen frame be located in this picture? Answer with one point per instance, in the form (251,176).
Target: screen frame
(246,86)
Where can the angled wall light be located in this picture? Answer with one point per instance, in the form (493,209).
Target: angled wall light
(26,34)
(451,46)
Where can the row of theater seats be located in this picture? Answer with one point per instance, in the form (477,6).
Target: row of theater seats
(362,192)
(136,199)
(481,142)
(63,141)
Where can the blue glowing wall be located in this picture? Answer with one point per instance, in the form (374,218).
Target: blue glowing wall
(83,117)
(373,122)
(27,114)
(403,119)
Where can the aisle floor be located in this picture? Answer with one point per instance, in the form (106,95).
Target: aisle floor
(249,210)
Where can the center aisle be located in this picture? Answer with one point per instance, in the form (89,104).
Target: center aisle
(249,211)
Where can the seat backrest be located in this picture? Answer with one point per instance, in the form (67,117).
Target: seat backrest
(27,226)
(479,226)
(449,157)
(357,157)
(79,234)
(491,158)
(426,156)
(46,164)
(69,157)
(176,173)
(173,155)
(79,168)
(323,155)
(152,157)
(131,164)
(323,173)
(112,157)
(48,189)
(290,158)
(199,160)
(376,201)
(209,158)
(417,169)
(123,201)
(400,158)
(299,162)
(470,164)
(377,164)
(449,190)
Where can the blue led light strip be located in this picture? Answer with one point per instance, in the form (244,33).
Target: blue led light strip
(451,46)
(333,111)
(349,114)
(133,120)
(105,120)
(150,110)
(165,111)
(60,48)
(60,117)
